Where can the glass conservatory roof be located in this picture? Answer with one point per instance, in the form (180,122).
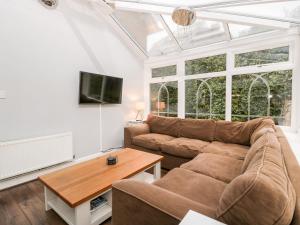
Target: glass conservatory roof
(284,11)
(149,23)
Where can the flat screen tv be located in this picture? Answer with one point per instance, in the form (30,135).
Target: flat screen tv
(100,89)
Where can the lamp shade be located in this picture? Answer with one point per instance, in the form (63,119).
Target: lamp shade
(140,106)
(160,105)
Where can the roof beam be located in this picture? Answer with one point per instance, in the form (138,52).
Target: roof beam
(227,31)
(140,7)
(237,3)
(218,4)
(288,20)
(170,33)
(244,20)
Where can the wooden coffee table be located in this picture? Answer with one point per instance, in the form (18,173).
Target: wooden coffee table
(70,191)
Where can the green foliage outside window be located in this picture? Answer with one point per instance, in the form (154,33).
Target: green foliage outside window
(271,92)
(266,56)
(164,98)
(211,94)
(164,71)
(279,84)
(209,64)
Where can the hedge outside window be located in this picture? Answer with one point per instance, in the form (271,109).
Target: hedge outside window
(209,64)
(164,99)
(205,98)
(274,55)
(164,71)
(262,94)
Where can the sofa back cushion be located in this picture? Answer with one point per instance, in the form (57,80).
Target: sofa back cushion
(198,129)
(266,125)
(236,132)
(263,194)
(257,146)
(164,125)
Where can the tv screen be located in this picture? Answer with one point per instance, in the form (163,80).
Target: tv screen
(100,89)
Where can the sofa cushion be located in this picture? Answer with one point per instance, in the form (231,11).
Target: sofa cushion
(164,125)
(226,149)
(236,132)
(152,141)
(184,147)
(170,162)
(267,125)
(293,169)
(194,186)
(263,195)
(219,167)
(257,146)
(197,129)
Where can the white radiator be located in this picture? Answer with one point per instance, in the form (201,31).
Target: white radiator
(23,156)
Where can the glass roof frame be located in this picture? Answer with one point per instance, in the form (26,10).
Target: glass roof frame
(242,29)
(209,4)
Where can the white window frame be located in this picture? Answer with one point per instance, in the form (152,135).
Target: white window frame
(241,46)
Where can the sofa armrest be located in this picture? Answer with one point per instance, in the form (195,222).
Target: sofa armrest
(130,132)
(138,203)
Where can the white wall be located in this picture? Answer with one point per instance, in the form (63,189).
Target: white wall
(41,54)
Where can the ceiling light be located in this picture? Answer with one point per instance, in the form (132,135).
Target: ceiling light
(183,16)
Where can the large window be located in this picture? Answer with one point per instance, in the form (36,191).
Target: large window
(262,94)
(211,88)
(267,56)
(206,65)
(164,71)
(205,98)
(164,99)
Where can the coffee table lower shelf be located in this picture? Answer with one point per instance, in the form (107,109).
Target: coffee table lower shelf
(82,215)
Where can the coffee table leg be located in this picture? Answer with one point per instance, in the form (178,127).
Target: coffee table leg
(157,171)
(46,193)
(82,214)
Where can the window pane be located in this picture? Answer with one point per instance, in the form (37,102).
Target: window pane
(210,64)
(274,55)
(164,71)
(146,30)
(200,33)
(205,98)
(262,94)
(238,30)
(286,10)
(164,99)
(180,3)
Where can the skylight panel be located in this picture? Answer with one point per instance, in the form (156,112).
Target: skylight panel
(238,30)
(177,3)
(288,11)
(200,33)
(147,31)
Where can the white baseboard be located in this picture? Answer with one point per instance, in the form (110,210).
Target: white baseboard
(4,184)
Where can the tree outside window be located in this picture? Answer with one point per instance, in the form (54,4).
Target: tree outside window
(164,99)
(262,94)
(205,98)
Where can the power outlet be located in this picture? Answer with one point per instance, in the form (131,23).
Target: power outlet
(2,94)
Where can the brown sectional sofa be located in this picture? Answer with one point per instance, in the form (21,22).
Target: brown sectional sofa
(240,173)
